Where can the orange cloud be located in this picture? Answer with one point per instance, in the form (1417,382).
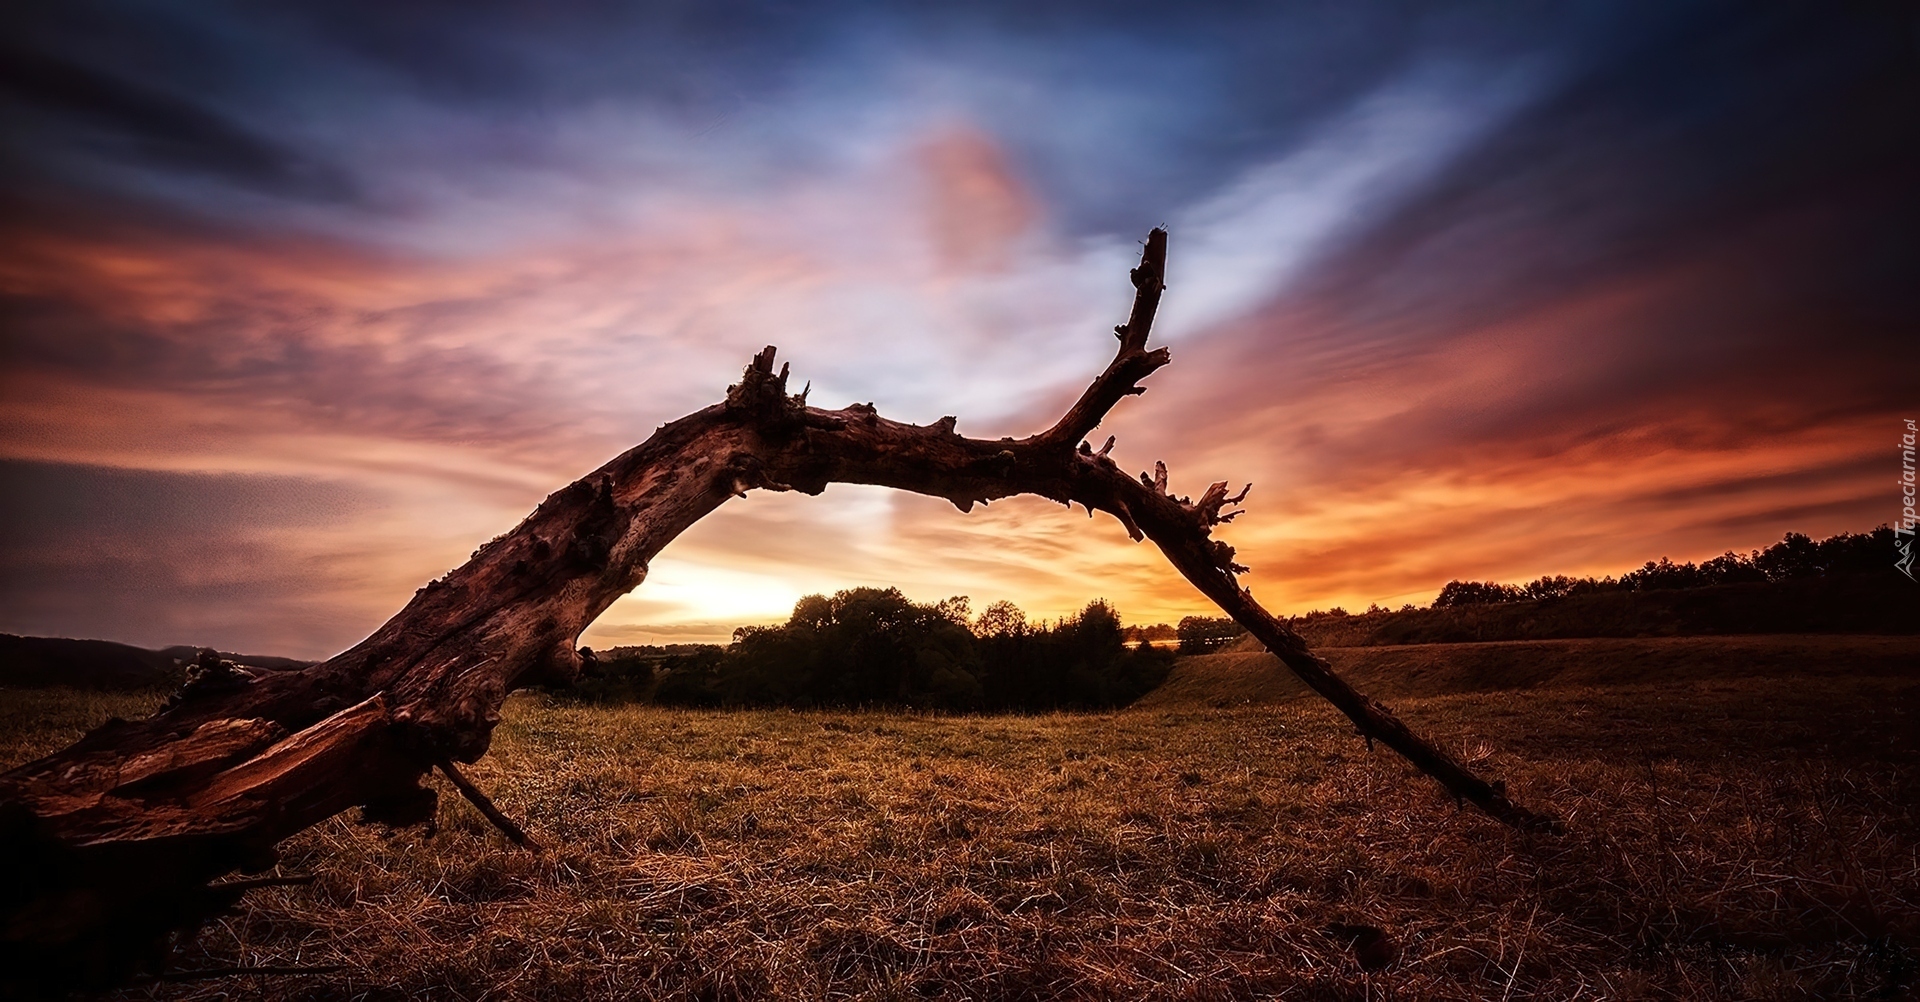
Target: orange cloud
(976,206)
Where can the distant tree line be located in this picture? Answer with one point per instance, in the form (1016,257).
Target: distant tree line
(1194,635)
(869,646)
(1853,557)
(1795,558)
(876,647)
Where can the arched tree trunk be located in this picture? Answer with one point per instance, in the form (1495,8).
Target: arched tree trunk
(111,844)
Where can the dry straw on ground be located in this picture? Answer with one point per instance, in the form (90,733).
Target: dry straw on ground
(1731,838)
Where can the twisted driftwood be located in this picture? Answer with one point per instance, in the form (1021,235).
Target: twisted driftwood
(111,845)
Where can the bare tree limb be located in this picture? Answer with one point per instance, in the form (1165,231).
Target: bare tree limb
(108,845)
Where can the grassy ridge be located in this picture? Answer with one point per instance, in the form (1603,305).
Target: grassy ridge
(43,662)
(1244,673)
(1732,838)
(35,662)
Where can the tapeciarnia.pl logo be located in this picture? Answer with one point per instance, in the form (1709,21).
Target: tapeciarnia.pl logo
(1903,532)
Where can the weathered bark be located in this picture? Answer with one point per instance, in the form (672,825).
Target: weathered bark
(110,845)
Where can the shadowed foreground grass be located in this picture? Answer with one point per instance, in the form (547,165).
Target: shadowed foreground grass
(1738,839)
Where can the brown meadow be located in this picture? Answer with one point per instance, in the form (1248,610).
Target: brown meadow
(1731,837)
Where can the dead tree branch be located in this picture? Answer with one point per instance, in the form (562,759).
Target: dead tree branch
(109,844)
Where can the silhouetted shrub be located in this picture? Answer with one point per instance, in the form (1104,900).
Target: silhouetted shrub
(1200,634)
(1155,632)
(861,646)
(1456,593)
(691,677)
(875,647)
(1082,662)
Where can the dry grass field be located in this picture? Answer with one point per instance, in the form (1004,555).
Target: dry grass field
(1751,837)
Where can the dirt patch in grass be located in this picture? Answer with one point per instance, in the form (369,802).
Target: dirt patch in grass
(1731,838)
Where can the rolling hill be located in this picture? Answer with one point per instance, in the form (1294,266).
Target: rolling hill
(41,662)
(1245,674)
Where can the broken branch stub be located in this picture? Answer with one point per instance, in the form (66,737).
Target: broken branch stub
(110,844)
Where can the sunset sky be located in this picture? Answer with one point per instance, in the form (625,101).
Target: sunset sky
(304,301)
